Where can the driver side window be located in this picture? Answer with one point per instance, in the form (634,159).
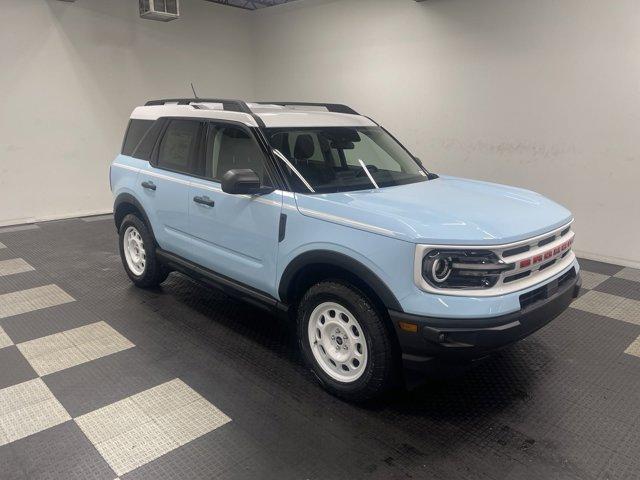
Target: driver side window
(233,147)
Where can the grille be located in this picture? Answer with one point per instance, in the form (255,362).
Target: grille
(541,293)
(515,251)
(546,241)
(532,257)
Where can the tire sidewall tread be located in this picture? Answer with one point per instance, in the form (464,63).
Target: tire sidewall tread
(379,370)
(154,273)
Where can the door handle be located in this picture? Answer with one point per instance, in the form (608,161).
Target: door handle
(204,201)
(149,185)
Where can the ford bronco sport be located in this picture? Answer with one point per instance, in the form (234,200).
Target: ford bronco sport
(318,213)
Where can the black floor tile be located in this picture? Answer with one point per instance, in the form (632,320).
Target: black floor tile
(621,287)
(61,452)
(14,368)
(20,281)
(89,386)
(225,453)
(47,321)
(599,267)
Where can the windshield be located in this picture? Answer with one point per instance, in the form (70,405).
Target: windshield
(342,159)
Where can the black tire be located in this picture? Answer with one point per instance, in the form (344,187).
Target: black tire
(154,273)
(379,370)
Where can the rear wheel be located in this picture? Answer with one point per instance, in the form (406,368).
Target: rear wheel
(345,341)
(137,250)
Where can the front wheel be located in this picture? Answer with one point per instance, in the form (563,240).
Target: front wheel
(345,341)
(137,250)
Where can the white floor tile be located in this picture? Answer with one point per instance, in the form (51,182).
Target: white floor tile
(89,332)
(165,398)
(135,448)
(33,419)
(192,421)
(73,347)
(101,347)
(23,394)
(613,306)
(28,408)
(113,420)
(32,299)
(591,280)
(5,341)
(634,348)
(629,274)
(57,361)
(13,266)
(145,426)
(44,345)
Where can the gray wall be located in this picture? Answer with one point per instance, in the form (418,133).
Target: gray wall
(543,95)
(70,74)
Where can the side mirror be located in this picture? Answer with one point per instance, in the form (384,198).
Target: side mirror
(242,181)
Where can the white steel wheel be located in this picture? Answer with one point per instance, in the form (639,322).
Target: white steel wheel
(337,342)
(134,251)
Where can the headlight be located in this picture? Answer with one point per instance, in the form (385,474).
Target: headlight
(463,269)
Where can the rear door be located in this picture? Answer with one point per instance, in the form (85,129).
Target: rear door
(165,183)
(235,235)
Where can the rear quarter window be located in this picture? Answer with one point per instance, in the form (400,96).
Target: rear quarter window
(135,132)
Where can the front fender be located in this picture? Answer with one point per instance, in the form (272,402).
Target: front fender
(341,257)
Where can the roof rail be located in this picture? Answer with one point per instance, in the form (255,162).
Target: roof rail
(230,105)
(332,107)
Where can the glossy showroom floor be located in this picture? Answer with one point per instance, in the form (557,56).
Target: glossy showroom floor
(100,380)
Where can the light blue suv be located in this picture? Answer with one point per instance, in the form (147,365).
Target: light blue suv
(318,213)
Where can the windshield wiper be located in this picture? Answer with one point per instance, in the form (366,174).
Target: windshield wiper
(280,155)
(366,170)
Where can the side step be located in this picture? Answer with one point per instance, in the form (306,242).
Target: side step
(223,283)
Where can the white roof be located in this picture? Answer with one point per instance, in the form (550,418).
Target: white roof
(271,115)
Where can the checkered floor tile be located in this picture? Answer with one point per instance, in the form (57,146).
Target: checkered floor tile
(600,297)
(634,348)
(5,341)
(28,408)
(607,305)
(79,400)
(32,299)
(632,274)
(591,280)
(67,349)
(128,433)
(143,427)
(13,266)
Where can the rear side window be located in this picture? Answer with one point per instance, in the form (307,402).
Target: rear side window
(135,132)
(145,148)
(179,146)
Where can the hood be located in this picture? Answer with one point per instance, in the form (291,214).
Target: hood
(447,210)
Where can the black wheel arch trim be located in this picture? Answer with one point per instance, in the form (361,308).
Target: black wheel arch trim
(340,260)
(127,198)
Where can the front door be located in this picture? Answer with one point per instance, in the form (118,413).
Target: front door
(165,183)
(235,235)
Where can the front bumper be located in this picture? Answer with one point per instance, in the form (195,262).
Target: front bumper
(456,340)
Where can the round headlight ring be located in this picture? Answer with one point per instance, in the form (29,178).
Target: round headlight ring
(440,269)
